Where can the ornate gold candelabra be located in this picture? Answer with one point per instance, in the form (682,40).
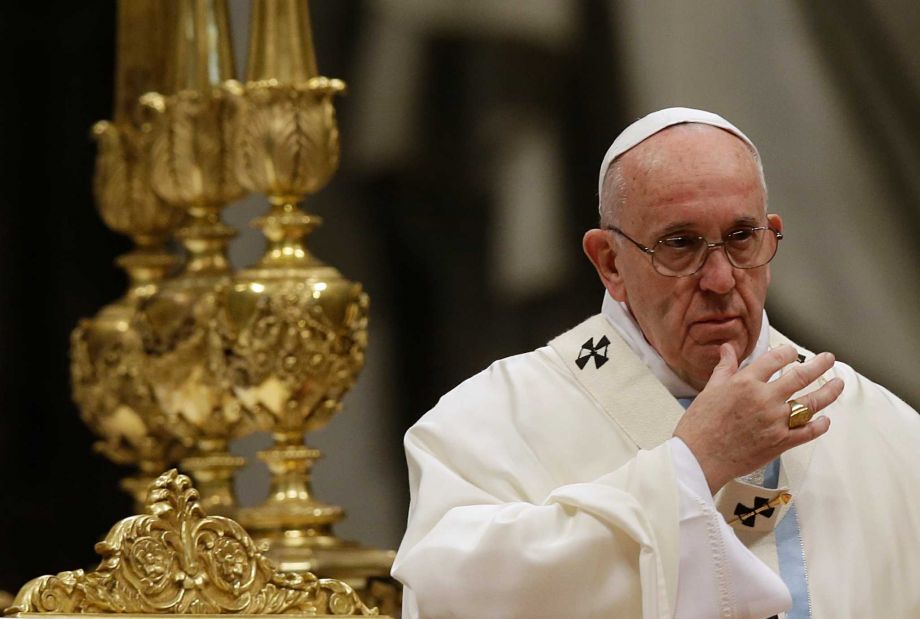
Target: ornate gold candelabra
(198,359)
(106,353)
(292,330)
(191,171)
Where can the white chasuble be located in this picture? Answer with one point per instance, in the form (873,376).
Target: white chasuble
(549,485)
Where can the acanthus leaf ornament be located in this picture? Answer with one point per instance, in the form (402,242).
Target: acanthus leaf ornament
(190,165)
(121,184)
(176,560)
(289,144)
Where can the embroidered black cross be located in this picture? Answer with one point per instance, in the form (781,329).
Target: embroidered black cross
(590,351)
(742,510)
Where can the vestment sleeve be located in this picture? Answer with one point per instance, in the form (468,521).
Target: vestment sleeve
(718,576)
(620,545)
(598,549)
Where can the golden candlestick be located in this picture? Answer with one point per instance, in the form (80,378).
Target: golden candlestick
(191,171)
(292,329)
(106,353)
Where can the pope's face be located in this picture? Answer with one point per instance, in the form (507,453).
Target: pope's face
(691,180)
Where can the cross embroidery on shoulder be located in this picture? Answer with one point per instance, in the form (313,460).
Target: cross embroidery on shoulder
(590,350)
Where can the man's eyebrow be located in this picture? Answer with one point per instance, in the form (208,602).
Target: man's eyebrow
(681,226)
(686,226)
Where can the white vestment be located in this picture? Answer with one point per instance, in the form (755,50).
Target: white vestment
(543,487)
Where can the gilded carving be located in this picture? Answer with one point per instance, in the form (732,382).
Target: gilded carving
(299,350)
(174,559)
(190,149)
(286,139)
(126,201)
(114,400)
(106,367)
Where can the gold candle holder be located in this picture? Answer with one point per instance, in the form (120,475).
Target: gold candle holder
(106,353)
(292,329)
(191,171)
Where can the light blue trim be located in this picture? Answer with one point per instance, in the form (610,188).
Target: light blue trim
(771,475)
(792,563)
(789,551)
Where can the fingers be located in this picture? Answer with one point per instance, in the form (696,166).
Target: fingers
(809,432)
(802,375)
(816,400)
(773,361)
(820,398)
(727,366)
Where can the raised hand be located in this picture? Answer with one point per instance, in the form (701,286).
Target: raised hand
(740,421)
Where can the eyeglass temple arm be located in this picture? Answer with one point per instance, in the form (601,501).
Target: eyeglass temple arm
(647,250)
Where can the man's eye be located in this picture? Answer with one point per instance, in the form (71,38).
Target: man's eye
(680,242)
(741,235)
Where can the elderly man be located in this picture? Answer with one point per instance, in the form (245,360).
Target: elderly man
(661,459)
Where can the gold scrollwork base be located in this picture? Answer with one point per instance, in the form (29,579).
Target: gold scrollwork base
(176,560)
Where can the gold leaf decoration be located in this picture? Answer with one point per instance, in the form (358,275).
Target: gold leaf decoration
(176,560)
(114,400)
(308,338)
(190,153)
(285,136)
(197,401)
(121,184)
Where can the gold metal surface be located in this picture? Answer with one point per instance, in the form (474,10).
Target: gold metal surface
(106,354)
(193,361)
(190,162)
(114,400)
(143,39)
(799,414)
(280,42)
(292,330)
(176,560)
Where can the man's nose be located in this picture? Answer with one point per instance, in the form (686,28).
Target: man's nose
(717,274)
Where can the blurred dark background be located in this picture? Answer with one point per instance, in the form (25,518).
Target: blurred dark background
(471,138)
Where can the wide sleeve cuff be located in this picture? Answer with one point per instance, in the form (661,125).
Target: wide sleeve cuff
(717,575)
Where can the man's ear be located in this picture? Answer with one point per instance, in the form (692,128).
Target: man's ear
(599,247)
(775,222)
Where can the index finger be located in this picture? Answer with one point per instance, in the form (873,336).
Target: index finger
(772,362)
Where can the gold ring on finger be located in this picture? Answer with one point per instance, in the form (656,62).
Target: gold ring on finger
(799,414)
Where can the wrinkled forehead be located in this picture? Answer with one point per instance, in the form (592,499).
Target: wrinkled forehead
(646,127)
(689,176)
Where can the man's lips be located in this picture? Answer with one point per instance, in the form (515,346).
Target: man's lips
(715,329)
(716,320)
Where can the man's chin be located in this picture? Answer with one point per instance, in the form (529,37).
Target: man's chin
(704,359)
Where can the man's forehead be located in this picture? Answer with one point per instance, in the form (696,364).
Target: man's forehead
(660,213)
(646,127)
(679,143)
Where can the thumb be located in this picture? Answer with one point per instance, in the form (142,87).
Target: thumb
(727,366)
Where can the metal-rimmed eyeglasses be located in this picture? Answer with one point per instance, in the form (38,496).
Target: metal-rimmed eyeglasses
(682,255)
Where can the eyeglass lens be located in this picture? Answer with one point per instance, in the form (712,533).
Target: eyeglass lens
(746,248)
